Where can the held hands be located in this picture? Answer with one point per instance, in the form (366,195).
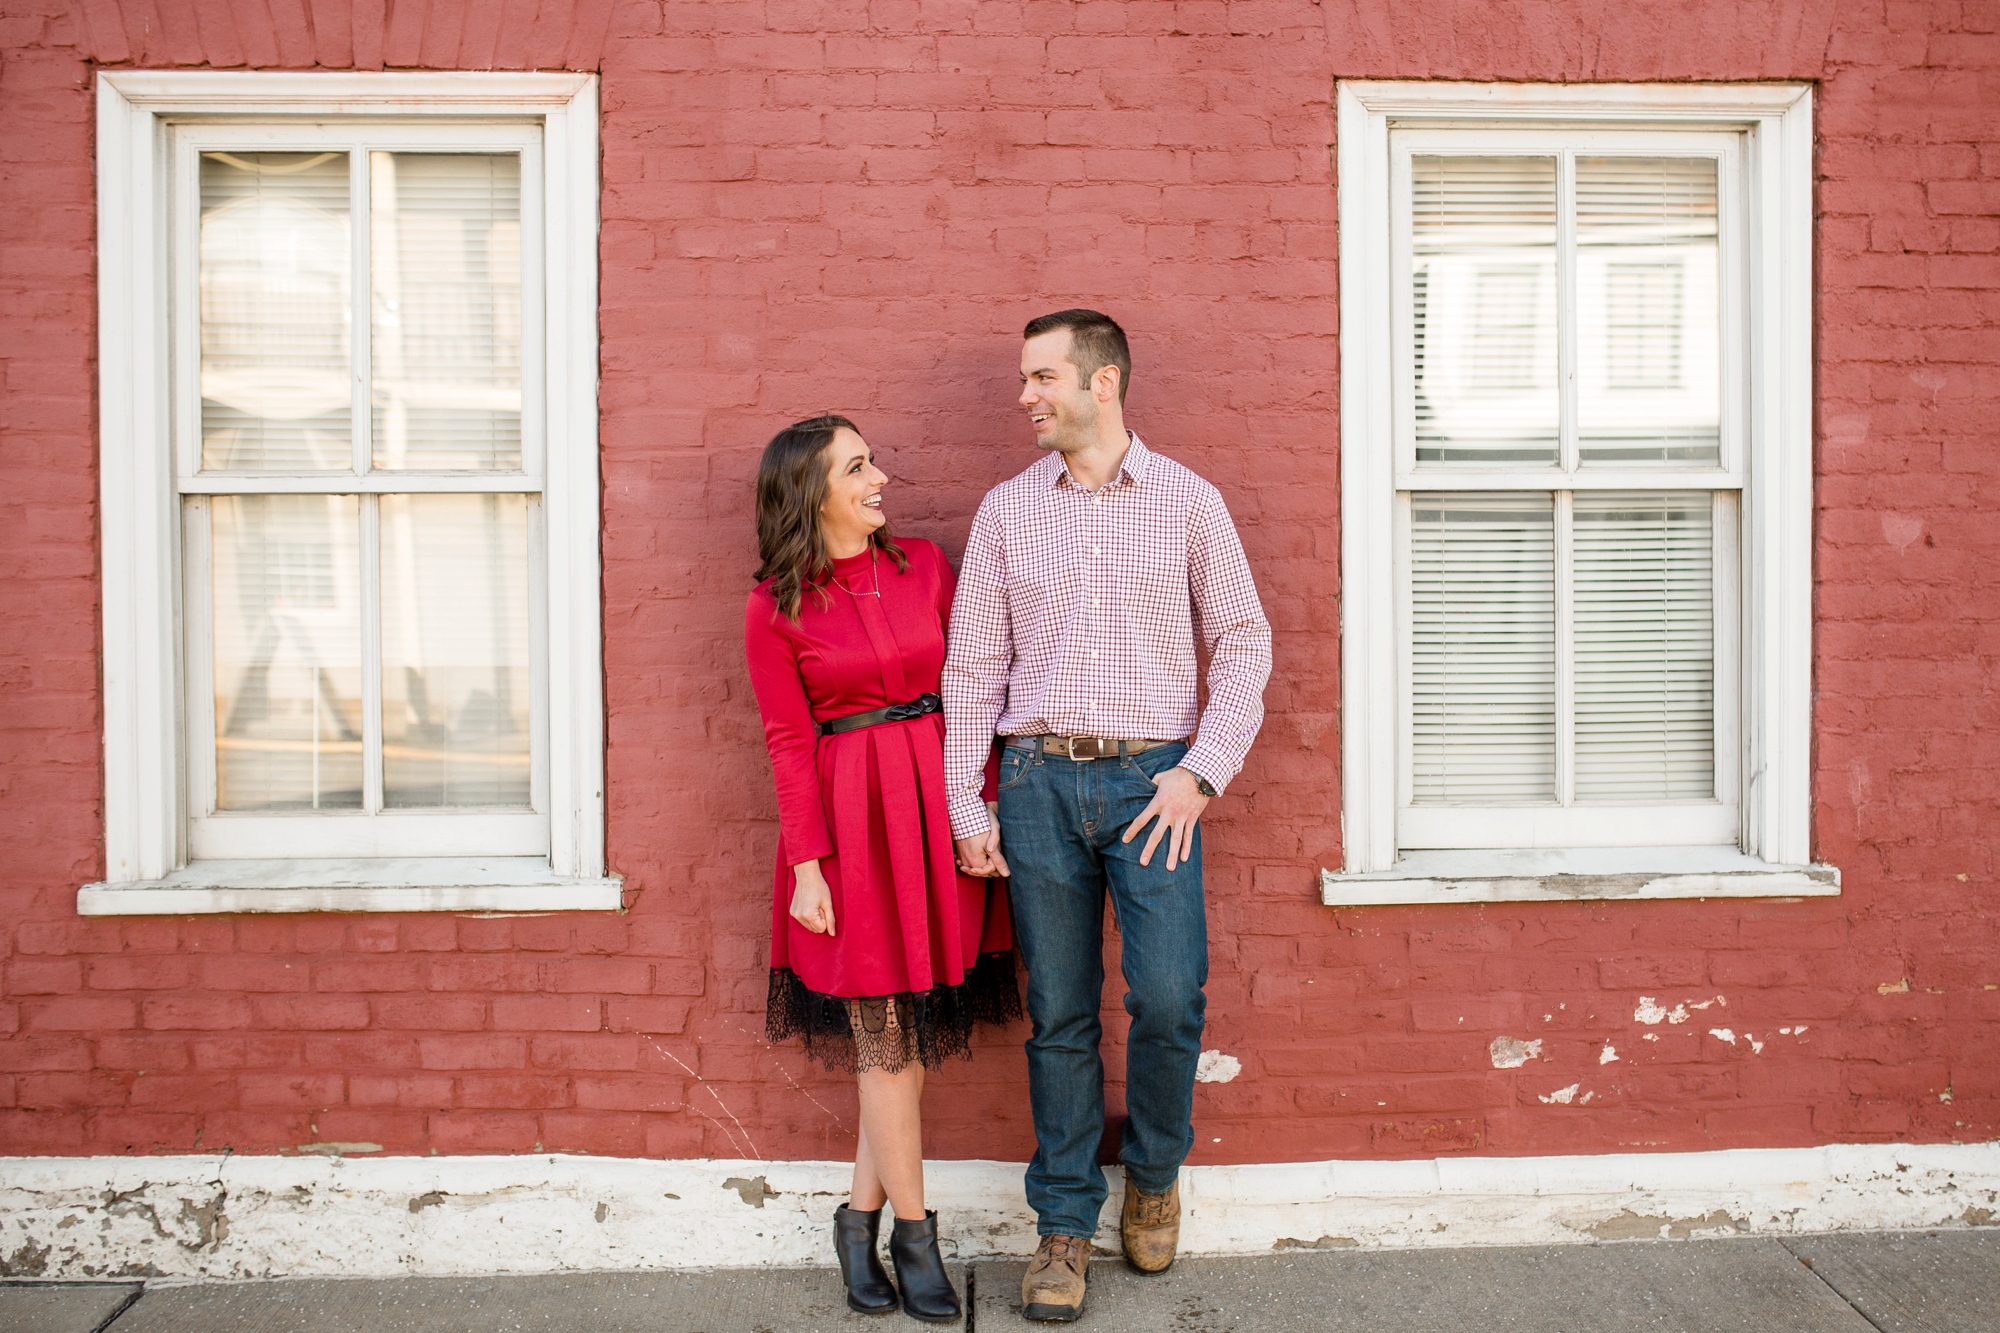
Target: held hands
(1177,805)
(980,854)
(812,902)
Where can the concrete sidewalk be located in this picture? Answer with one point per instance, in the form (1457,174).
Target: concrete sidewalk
(1883,1282)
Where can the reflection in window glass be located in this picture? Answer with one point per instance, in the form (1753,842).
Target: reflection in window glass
(1484,305)
(286,587)
(455,669)
(1483,648)
(1642,306)
(274,308)
(1648,349)
(446,299)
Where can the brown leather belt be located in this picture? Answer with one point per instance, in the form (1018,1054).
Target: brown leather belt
(1086,747)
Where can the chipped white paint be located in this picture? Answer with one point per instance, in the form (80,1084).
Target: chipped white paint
(1756,1047)
(1723,1034)
(1609,1055)
(1651,1014)
(1512,1053)
(1215,1067)
(241,1217)
(1561,1096)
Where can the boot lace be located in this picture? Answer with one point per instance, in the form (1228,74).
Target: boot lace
(1071,1252)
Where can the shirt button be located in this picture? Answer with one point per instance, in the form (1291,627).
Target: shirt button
(1093,601)
(1093,652)
(1093,550)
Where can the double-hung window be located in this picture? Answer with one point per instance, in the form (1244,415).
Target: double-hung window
(1575,491)
(350,441)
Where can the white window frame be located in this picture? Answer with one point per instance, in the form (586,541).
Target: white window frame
(1774,469)
(146,727)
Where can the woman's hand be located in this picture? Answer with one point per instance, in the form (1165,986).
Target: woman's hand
(812,901)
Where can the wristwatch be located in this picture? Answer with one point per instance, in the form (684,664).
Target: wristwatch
(1201,785)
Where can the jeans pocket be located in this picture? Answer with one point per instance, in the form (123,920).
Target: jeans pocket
(1158,760)
(1013,767)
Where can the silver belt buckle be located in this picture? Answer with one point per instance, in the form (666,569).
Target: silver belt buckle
(1069,746)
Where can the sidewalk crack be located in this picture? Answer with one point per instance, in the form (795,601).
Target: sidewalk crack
(1808,1265)
(971,1294)
(123,1306)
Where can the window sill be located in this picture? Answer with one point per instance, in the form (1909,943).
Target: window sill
(398,884)
(1595,873)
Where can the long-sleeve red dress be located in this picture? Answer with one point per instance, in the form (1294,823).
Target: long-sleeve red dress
(922,952)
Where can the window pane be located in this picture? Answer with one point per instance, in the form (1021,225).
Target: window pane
(276,392)
(1484,648)
(446,273)
(1484,300)
(287,585)
(455,673)
(1645,647)
(1649,357)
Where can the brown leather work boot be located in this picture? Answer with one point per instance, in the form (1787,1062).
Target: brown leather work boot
(1053,1288)
(1151,1227)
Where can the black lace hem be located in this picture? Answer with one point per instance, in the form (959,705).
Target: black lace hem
(889,1032)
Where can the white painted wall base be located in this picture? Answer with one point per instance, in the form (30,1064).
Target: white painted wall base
(243,1217)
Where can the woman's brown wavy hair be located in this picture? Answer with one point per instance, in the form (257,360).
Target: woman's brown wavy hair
(791,486)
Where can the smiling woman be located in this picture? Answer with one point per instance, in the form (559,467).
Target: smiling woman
(806,503)
(883,953)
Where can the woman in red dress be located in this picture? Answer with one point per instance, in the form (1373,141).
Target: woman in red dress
(883,953)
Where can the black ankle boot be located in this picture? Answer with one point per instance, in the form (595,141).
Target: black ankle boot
(927,1292)
(854,1234)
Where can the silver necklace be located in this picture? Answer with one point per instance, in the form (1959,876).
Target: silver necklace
(874,567)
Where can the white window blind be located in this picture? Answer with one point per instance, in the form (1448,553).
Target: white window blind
(1647,274)
(446,307)
(363,519)
(1483,651)
(1483,293)
(1645,646)
(1561,335)
(276,311)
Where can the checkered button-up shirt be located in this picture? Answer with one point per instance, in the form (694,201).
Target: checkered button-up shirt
(1076,616)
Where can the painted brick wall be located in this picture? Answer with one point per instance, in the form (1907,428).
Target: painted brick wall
(834,205)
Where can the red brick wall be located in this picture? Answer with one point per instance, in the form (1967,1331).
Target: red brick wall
(831,205)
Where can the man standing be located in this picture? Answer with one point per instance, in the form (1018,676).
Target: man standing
(1073,637)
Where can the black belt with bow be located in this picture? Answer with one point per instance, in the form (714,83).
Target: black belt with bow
(917,707)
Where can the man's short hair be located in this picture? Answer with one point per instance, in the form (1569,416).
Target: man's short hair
(1095,341)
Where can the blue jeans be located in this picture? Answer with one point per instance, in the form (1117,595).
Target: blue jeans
(1060,824)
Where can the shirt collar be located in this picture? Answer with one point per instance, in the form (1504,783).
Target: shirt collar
(1132,470)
